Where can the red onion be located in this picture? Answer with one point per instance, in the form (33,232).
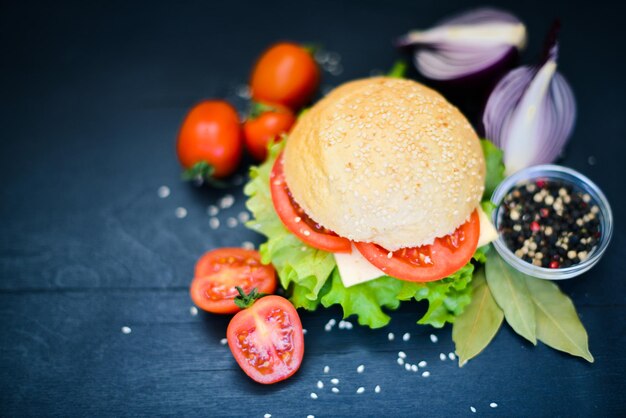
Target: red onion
(476,42)
(530,114)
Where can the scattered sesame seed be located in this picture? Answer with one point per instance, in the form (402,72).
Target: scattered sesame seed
(360,390)
(433,338)
(400,361)
(591,160)
(267,416)
(472,409)
(390,336)
(320,384)
(163,192)
(304,331)
(377,389)
(442,357)
(326,369)
(193,311)
(180,212)
(243,217)
(414,368)
(214,223)
(226,201)
(306,233)
(334,381)
(231,222)
(451,356)
(406,336)
(389,254)
(401,354)
(335,390)
(313,395)
(327,328)
(247,245)
(422,363)
(126,330)
(426,374)
(407,367)
(360,369)
(212,210)
(223,341)
(493,405)
(243,91)
(310,416)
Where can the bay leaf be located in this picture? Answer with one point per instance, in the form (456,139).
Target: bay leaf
(558,324)
(508,287)
(474,329)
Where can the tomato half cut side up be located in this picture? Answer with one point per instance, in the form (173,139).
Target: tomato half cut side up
(218,272)
(297,221)
(429,262)
(267,340)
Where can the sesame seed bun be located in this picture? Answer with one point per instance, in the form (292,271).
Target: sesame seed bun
(387,161)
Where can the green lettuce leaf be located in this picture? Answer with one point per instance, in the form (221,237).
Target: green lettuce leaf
(495,167)
(446,298)
(365,300)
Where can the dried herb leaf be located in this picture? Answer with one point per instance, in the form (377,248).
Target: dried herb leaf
(558,324)
(474,329)
(508,287)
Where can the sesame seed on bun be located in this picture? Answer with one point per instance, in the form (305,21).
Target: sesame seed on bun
(387,161)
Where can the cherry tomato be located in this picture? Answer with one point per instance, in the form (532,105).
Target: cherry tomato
(285,74)
(218,272)
(211,134)
(270,124)
(266,340)
(297,221)
(429,262)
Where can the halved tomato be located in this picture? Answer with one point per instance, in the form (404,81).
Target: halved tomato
(429,262)
(266,339)
(297,221)
(218,272)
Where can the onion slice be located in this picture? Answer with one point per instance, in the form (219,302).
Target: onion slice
(472,43)
(530,114)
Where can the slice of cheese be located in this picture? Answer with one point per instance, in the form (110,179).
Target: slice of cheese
(488,232)
(355,269)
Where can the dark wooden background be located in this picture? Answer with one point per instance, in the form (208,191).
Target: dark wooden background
(91,97)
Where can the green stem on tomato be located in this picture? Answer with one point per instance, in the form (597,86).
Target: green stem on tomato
(202,170)
(245,301)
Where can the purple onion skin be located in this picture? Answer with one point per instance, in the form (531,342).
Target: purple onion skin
(478,79)
(483,79)
(554,127)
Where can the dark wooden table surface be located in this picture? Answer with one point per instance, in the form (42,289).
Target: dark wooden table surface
(91,99)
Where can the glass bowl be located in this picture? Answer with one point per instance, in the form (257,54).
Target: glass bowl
(563,174)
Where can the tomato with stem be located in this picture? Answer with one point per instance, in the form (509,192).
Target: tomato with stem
(210,141)
(266,337)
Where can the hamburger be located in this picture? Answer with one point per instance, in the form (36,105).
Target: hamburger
(375,198)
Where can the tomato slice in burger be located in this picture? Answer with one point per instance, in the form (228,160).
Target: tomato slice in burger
(428,262)
(266,339)
(218,272)
(297,221)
